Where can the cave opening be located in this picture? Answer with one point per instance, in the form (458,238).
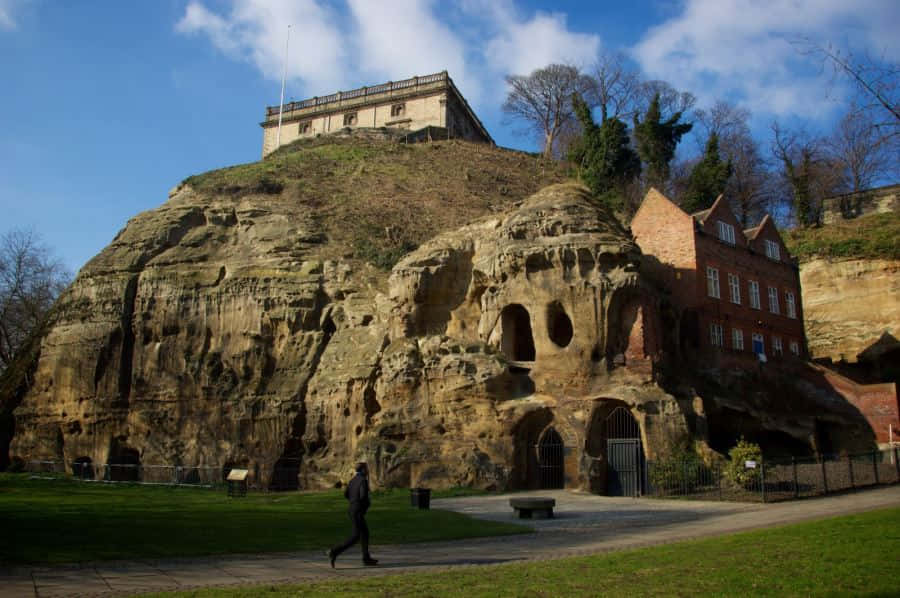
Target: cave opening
(517,340)
(559,326)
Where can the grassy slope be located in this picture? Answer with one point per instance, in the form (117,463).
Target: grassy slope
(876,236)
(46,521)
(377,199)
(853,555)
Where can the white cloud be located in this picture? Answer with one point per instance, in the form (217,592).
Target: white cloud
(8,8)
(742,49)
(357,42)
(521,46)
(255,31)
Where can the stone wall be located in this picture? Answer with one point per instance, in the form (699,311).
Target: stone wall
(853,205)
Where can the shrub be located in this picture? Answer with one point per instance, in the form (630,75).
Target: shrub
(736,470)
(680,473)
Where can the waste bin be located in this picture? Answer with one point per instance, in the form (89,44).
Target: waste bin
(420,497)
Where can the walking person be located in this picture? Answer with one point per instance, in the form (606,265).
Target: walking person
(357,493)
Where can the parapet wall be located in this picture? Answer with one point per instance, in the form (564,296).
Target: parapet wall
(853,205)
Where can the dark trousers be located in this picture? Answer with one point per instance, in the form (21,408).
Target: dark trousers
(360,534)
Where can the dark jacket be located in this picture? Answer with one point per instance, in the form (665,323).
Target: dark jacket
(357,492)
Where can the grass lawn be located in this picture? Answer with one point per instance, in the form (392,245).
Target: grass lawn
(56,521)
(853,555)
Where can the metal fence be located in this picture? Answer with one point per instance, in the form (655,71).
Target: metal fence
(282,475)
(771,480)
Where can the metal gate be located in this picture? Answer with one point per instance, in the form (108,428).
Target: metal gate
(625,457)
(550,459)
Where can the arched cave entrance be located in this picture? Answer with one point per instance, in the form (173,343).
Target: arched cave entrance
(517,340)
(550,459)
(83,468)
(124,464)
(526,471)
(616,451)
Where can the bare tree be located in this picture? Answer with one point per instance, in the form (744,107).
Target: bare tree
(671,101)
(30,281)
(618,87)
(807,173)
(862,154)
(543,100)
(748,189)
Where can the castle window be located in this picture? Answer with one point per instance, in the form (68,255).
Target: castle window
(795,348)
(305,128)
(712,282)
(716,336)
(791,304)
(734,286)
(726,232)
(772,251)
(754,295)
(777,347)
(773,300)
(398,110)
(737,339)
(350,119)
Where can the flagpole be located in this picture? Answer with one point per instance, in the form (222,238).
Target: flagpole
(283,77)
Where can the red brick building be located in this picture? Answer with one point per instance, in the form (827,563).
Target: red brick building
(737,292)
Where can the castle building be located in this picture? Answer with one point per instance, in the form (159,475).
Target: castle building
(432,102)
(737,292)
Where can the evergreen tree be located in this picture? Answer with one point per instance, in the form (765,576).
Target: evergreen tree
(708,178)
(605,162)
(656,142)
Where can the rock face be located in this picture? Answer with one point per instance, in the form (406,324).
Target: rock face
(208,333)
(850,305)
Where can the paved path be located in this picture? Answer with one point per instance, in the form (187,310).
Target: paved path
(585,524)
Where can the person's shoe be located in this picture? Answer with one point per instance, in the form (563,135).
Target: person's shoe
(370,562)
(331,556)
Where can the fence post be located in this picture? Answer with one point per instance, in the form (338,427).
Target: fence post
(762,477)
(875,455)
(896,463)
(796,485)
(824,476)
(719,478)
(850,469)
(177,474)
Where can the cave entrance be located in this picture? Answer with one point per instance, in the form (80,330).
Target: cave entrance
(616,451)
(125,465)
(517,340)
(550,458)
(83,468)
(526,469)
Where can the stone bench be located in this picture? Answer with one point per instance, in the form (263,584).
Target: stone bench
(538,507)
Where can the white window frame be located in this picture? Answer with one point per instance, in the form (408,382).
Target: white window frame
(773,300)
(772,250)
(754,294)
(716,335)
(777,346)
(712,282)
(790,304)
(795,348)
(734,286)
(726,232)
(737,339)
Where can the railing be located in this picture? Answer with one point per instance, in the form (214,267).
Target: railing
(772,480)
(283,475)
(360,92)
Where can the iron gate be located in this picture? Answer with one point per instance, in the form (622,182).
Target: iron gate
(624,454)
(550,459)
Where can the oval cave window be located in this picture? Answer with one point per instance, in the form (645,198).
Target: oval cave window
(559,326)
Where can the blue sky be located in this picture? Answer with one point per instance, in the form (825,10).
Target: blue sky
(108,104)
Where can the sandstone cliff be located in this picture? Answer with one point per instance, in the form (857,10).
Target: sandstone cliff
(849,304)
